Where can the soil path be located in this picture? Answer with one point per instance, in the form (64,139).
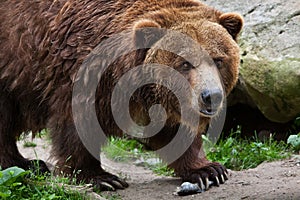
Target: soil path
(275,180)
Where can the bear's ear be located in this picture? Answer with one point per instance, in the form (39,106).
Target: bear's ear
(146,33)
(233,23)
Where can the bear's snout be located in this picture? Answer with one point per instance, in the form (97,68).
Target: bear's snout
(211,101)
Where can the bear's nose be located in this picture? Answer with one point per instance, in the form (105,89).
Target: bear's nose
(212,100)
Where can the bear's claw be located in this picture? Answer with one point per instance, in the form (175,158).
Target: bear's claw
(211,174)
(108,182)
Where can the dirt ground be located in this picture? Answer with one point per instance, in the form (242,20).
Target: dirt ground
(275,180)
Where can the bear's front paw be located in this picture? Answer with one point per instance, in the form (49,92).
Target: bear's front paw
(107,181)
(211,174)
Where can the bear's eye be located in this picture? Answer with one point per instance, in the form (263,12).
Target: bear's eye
(186,66)
(218,62)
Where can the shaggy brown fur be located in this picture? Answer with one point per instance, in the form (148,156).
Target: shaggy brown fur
(43,43)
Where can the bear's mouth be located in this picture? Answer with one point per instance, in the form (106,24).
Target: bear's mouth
(208,112)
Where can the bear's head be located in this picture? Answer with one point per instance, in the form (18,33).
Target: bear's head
(209,63)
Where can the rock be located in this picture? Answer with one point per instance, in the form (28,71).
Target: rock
(188,188)
(274,86)
(270,68)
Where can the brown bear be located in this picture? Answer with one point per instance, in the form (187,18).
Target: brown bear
(44,43)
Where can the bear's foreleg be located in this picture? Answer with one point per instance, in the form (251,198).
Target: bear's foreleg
(193,167)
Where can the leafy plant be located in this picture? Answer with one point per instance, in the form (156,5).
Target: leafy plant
(10,178)
(16,183)
(294,141)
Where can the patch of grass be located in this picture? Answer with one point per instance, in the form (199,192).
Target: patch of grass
(16,183)
(124,150)
(162,169)
(233,152)
(238,154)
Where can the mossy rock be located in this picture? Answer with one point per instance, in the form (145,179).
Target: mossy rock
(274,86)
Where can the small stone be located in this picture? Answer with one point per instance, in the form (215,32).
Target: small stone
(188,188)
